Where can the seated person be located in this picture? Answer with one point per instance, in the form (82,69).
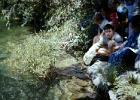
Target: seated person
(107,43)
(100,20)
(130,48)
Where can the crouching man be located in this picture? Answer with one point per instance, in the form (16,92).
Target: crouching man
(97,56)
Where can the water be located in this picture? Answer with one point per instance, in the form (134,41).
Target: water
(63,87)
(13,88)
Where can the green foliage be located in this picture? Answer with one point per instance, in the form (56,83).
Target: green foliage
(132,79)
(34,55)
(53,15)
(32,58)
(45,13)
(127,86)
(15,35)
(111,75)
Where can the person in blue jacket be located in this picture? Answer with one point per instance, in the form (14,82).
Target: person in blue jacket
(127,53)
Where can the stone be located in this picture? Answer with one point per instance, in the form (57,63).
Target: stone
(112,95)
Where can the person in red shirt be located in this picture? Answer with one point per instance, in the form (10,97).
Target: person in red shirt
(114,20)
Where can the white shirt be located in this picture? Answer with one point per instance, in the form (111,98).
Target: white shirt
(103,23)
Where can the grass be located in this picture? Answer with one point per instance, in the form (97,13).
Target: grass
(13,35)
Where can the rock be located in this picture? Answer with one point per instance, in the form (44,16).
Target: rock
(82,83)
(64,62)
(112,95)
(130,98)
(96,81)
(75,71)
(73,89)
(83,96)
(138,97)
(137,62)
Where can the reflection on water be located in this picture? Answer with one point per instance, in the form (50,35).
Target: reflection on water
(14,89)
(60,88)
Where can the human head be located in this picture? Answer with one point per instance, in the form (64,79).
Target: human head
(98,17)
(114,16)
(109,31)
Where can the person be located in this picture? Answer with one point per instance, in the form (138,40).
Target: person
(129,48)
(123,19)
(98,23)
(100,20)
(131,7)
(114,20)
(113,16)
(109,34)
(97,56)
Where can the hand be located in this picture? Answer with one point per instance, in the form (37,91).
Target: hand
(111,44)
(116,48)
(103,52)
(101,38)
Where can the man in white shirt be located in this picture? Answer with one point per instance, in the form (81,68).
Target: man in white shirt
(99,53)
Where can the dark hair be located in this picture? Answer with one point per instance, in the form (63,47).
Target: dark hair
(99,15)
(108,26)
(135,21)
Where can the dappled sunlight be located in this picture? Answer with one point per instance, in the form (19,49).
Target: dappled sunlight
(69,50)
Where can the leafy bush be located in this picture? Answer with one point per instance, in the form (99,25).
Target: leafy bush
(34,56)
(37,53)
(45,13)
(55,16)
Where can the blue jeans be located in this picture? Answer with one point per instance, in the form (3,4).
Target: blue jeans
(124,56)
